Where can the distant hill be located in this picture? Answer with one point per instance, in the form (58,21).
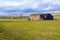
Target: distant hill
(56,15)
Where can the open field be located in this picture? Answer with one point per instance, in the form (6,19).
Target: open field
(15,29)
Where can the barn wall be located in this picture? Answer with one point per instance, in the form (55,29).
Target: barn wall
(35,17)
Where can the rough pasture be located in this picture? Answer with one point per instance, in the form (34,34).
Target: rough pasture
(16,29)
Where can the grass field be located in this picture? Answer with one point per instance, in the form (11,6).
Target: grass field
(16,29)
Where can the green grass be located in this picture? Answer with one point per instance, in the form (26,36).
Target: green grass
(15,29)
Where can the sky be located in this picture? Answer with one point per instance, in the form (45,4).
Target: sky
(17,7)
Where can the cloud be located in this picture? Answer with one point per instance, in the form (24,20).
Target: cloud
(30,4)
(16,6)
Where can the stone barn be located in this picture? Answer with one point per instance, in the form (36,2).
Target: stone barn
(35,17)
(41,17)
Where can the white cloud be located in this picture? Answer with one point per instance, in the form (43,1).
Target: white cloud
(29,4)
(9,3)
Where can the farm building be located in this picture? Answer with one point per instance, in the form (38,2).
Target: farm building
(41,17)
(35,17)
